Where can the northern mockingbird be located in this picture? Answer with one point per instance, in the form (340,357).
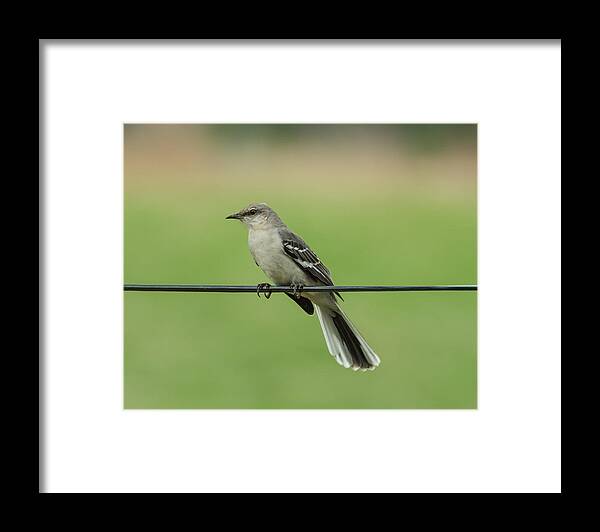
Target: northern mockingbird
(288,260)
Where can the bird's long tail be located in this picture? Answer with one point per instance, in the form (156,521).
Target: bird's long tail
(344,341)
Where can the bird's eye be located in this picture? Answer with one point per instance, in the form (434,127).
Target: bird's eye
(252,212)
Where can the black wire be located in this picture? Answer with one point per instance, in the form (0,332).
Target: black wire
(254,289)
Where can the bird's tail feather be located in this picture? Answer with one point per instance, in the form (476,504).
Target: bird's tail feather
(344,341)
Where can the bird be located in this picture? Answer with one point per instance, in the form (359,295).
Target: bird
(288,260)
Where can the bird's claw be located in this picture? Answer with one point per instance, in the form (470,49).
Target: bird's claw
(265,288)
(297,289)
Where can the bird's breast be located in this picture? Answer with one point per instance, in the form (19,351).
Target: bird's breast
(266,248)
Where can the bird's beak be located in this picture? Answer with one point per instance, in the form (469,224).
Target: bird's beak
(234,216)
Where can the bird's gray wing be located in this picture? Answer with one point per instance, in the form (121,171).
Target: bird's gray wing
(305,258)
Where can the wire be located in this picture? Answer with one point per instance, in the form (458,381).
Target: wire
(276,289)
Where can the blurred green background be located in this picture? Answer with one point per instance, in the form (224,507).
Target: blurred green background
(380,204)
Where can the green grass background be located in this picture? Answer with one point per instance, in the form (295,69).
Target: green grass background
(186,350)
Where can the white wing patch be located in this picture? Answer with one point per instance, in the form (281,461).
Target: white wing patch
(308,261)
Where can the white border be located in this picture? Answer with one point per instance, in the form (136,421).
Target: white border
(512,443)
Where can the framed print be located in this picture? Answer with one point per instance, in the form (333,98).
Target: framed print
(180,178)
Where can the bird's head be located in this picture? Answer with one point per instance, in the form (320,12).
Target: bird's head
(255,216)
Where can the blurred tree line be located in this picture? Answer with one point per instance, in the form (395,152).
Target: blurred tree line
(419,138)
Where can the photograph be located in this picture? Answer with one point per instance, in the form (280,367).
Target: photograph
(224,214)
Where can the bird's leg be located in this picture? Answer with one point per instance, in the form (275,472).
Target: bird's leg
(297,289)
(263,286)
